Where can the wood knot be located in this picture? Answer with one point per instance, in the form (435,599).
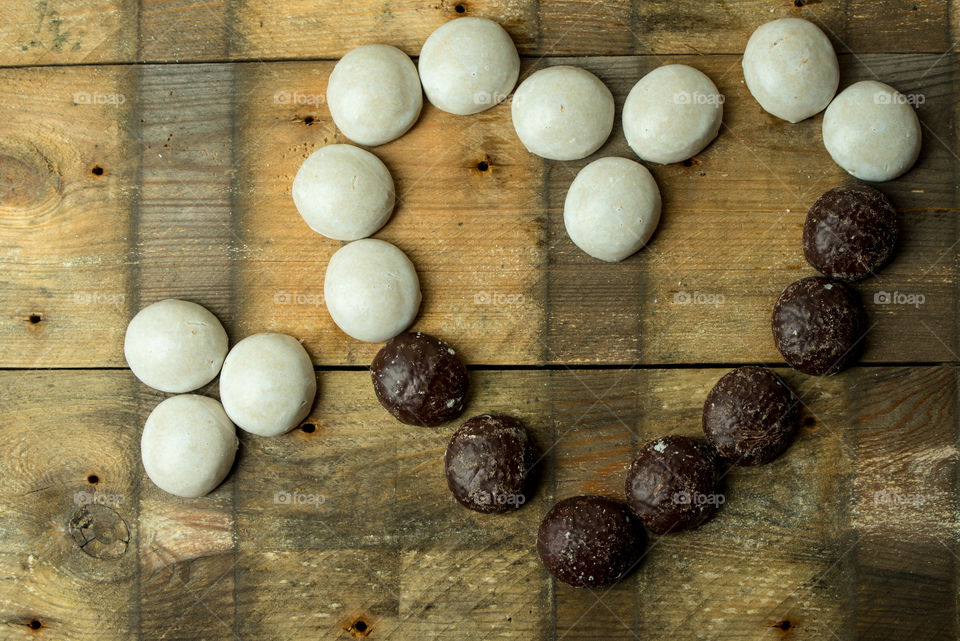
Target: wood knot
(30,183)
(98,529)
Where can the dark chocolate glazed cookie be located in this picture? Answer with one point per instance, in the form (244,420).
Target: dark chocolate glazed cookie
(672,484)
(488,463)
(419,379)
(818,326)
(590,541)
(850,232)
(750,415)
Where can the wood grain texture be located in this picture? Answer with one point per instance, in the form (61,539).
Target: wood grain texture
(123,183)
(54,583)
(52,32)
(57,32)
(351,522)
(186,234)
(730,233)
(476,237)
(194,203)
(69,159)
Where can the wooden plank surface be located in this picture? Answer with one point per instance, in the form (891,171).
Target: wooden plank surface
(51,32)
(815,539)
(121,184)
(69,159)
(215,148)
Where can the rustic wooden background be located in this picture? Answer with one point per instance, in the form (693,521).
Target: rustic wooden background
(147,150)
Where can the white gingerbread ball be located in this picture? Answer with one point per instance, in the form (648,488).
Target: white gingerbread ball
(671,114)
(468,65)
(374,94)
(872,131)
(344,192)
(371,290)
(175,346)
(791,68)
(268,384)
(612,208)
(562,113)
(188,445)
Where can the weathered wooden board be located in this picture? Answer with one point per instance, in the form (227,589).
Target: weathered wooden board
(851,533)
(69,161)
(51,32)
(121,184)
(193,202)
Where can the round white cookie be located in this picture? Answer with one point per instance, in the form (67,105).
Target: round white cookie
(562,113)
(872,131)
(344,192)
(175,346)
(791,68)
(267,385)
(371,290)
(612,208)
(374,94)
(468,65)
(188,445)
(671,114)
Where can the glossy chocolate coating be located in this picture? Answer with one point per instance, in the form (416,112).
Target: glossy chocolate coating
(420,379)
(488,463)
(590,541)
(818,325)
(750,416)
(850,232)
(672,484)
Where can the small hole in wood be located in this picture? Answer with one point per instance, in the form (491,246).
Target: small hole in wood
(809,421)
(97,170)
(309,428)
(460,8)
(482,165)
(93,479)
(308,120)
(35,624)
(35,318)
(798,3)
(688,163)
(360,625)
(784,625)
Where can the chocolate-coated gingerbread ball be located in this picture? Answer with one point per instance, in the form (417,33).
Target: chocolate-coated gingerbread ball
(489,463)
(420,379)
(672,484)
(590,541)
(850,232)
(818,326)
(750,415)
